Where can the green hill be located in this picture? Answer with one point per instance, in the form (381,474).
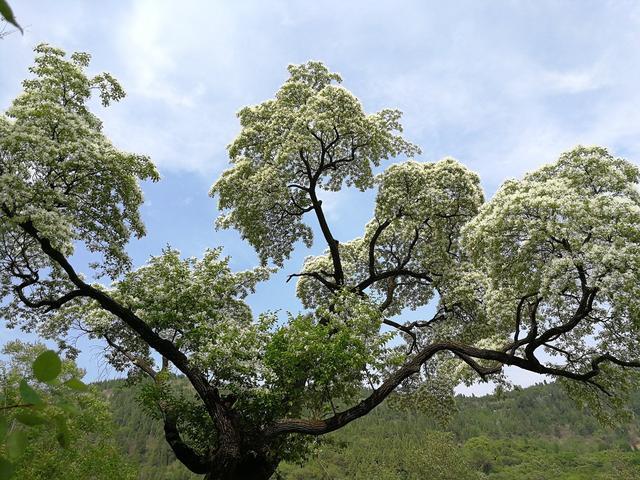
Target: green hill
(535,433)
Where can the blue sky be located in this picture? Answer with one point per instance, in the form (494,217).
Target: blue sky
(503,86)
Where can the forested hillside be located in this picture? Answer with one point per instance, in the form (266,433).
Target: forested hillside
(531,434)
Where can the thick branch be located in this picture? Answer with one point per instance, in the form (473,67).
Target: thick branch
(316,204)
(467,353)
(19,405)
(333,244)
(194,462)
(166,348)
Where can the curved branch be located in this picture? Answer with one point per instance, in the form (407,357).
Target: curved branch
(467,353)
(330,285)
(183,452)
(372,246)
(164,347)
(607,357)
(47,304)
(320,427)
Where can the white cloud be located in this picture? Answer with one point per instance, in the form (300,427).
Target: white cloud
(570,82)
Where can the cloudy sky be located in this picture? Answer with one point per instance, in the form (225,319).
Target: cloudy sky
(503,86)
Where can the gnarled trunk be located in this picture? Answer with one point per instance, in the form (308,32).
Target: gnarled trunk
(250,466)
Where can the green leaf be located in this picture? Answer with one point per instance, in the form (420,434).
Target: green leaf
(68,407)
(76,384)
(47,366)
(6,467)
(29,395)
(16,444)
(63,435)
(7,14)
(30,419)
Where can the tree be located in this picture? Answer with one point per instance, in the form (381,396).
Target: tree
(33,418)
(389,459)
(550,263)
(24,406)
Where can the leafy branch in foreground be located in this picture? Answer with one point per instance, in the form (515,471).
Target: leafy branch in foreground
(7,14)
(549,265)
(34,394)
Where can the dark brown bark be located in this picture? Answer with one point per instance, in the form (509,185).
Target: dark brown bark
(251,466)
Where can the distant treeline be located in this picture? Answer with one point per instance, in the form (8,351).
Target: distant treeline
(535,433)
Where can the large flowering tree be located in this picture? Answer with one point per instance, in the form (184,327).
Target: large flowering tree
(545,276)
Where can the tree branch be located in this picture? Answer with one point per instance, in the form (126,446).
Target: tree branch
(467,353)
(48,303)
(189,457)
(389,274)
(138,362)
(333,244)
(372,246)
(315,275)
(209,394)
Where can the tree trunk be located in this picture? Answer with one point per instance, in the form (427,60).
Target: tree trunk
(249,467)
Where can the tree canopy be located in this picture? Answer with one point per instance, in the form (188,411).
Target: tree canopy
(549,264)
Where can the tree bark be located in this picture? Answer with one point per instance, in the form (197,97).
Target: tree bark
(251,466)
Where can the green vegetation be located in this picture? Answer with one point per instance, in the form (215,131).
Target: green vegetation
(51,424)
(530,434)
(545,276)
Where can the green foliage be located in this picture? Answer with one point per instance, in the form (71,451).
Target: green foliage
(47,366)
(29,395)
(15,444)
(435,454)
(550,263)
(76,384)
(534,433)
(62,174)
(30,416)
(325,353)
(6,469)
(139,435)
(278,146)
(30,419)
